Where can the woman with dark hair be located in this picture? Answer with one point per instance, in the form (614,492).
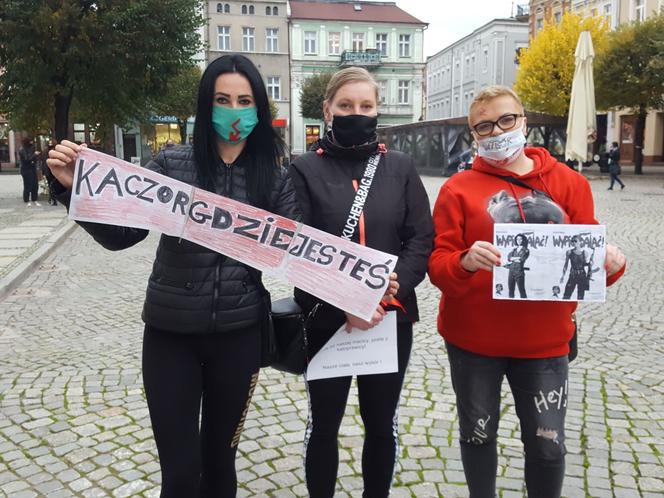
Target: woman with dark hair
(516,260)
(203,311)
(28,160)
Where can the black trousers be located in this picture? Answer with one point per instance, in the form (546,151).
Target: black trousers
(379,404)
(30,185)
(183,373)
(539,388)
(578,280)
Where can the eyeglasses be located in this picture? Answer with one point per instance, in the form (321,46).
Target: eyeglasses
(504,122)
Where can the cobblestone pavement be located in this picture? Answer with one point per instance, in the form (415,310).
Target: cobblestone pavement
(23,229)
(73,419)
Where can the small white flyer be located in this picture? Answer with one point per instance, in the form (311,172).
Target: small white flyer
(550,262)
(360,352)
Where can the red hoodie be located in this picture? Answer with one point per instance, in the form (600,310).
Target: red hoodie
(467,207)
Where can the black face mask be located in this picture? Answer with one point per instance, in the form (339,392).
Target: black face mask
(352,130)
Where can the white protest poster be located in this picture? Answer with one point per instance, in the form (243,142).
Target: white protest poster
(550,262)
(348,275)
(360,352)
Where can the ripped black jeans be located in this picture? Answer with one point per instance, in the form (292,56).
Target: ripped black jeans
(539,388)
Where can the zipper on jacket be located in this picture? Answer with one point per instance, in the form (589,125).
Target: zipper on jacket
(215,293)
(228,177)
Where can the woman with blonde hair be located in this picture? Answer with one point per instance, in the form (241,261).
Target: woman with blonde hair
(395,218)
(488,339)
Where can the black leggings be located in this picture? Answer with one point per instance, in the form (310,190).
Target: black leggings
(178,371)
(379,404)
(30,185)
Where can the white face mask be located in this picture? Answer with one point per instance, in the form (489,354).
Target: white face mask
(503,149)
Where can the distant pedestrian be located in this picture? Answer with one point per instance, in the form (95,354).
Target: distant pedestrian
(614,166)
(29,159)
(50,179)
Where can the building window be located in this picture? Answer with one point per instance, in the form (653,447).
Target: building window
(79,132)
(404,88)
(607,13)
(539,24)
(556,17)
(268,11)
(248,40)
(220,8)
(382,91)
(224,37)
(404,45)
(639,10)
(486,58)
(275,11)
(333,43)
(358,42)
(381,43)
(472,65)
(251,10)
(274,87)
(244,9)
(227,8)
(272,40)
(310,42)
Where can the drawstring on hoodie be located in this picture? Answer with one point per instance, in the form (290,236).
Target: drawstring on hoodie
(518,203)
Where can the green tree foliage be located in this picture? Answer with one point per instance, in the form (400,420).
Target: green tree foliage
(105,60)
(630,74)
(312,95)
(274,108)
(546,67)
(180,97)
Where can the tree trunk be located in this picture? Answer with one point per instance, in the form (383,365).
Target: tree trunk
(638,141)
(62,104)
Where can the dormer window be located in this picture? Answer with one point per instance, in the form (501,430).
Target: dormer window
(357,7)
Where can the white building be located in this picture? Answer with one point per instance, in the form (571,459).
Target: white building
(487,56)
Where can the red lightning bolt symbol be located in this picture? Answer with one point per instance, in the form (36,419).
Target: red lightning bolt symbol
(232,137)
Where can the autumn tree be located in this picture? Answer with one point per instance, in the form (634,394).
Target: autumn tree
(104,59)
(312,95)
(546,67)
(630,74)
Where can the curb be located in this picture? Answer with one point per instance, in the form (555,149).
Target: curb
(23,270)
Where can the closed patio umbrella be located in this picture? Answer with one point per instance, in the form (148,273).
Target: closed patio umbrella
(581,123)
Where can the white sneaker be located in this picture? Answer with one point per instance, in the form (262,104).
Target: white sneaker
(29,204)
(37,204)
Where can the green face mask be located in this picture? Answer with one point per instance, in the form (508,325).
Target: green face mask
(234,125)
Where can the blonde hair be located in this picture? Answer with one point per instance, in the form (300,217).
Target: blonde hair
(349,75)
(491,92)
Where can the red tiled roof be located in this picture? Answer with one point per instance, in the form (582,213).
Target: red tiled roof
(370,12)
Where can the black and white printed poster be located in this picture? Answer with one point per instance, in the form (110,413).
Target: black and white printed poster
(550,262)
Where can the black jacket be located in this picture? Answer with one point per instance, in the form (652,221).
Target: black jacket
(193,289)
(28,160)
(397,213)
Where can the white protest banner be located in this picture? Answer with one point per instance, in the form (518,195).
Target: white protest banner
(542,262)
(360,352)
(345,274)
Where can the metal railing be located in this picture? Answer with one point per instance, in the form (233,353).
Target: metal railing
(436,145)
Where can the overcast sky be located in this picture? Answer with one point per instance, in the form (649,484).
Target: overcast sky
(450,20)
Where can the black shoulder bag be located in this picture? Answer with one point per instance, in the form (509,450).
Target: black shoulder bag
(573,346)
(284,336)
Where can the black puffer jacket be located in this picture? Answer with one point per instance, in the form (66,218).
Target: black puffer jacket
(193,289)
(397,213)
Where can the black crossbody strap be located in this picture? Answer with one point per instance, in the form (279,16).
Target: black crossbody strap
(521,183)
(357,207)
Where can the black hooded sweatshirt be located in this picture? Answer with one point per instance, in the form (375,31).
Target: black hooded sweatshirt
(397,213)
